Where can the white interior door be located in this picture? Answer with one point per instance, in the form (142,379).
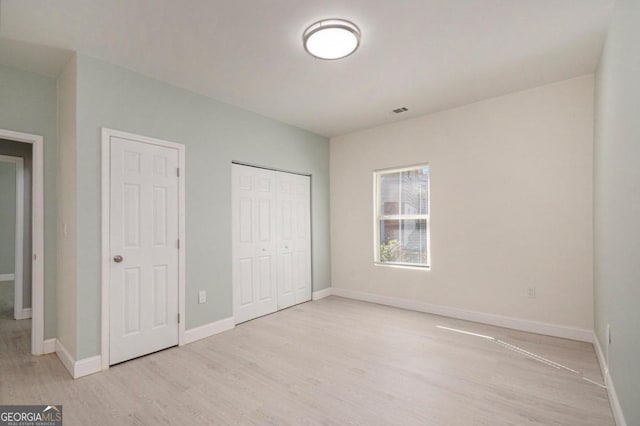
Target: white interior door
(16,167)
(294,242)
(143,293)
(271,241)
(254,242)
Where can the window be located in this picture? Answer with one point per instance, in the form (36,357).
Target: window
(402,216)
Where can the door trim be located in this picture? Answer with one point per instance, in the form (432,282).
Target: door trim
(18,263)
(107,134)
(37,235)
(256,166)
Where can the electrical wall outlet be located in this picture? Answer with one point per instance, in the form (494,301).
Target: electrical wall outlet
(202,296)
(531,292)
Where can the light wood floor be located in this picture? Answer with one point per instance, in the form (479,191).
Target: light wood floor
(6,299)
(14,335)
(334,361)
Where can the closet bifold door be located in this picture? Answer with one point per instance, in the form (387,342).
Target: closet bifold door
(254,242)
(271,235)
(294,242)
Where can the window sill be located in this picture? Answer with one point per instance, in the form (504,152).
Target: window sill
(403,266)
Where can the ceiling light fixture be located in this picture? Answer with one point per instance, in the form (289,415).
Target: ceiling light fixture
(331,39)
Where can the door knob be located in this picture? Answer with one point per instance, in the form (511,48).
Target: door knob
(117,258)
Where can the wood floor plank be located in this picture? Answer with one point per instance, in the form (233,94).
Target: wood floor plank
(330,362)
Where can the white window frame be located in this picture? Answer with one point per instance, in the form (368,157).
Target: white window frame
(378,216)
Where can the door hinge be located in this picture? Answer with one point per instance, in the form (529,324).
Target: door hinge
(34,256)
(178,318)
(178,243)
(178,172)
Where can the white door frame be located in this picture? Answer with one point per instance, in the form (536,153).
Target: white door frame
(107,134)
(18,266)
(37,235)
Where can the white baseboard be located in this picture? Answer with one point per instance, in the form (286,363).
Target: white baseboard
(565,332)
(321,294)
(65,357)
(608,381)
(80,368)
(87,366)
(208,330)
(7,277)
(25,314)
(49,346)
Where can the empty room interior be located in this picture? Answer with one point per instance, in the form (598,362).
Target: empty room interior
(375,212)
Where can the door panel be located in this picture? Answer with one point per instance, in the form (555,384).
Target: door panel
(286,222)
(264,275)
(144,231)
(301,241)
(244,216)
(132,300)
(287,219)
(246,281)
(265,219)
(254,243)
(159,224)
(131,219)
(160,295)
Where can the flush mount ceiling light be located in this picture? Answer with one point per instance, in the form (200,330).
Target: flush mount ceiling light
(331,39)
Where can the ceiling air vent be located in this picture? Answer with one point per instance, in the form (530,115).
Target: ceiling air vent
(400,110)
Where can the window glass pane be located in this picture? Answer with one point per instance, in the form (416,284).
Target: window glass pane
(389,193)
(413,191)
(405,192)
(403,241)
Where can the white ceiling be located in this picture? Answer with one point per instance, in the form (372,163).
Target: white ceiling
(426,55)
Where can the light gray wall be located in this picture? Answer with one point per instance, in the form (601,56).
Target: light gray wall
(214,134)
(617,204)
(7,217)
(24,151)
(28,104)
(66,290)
